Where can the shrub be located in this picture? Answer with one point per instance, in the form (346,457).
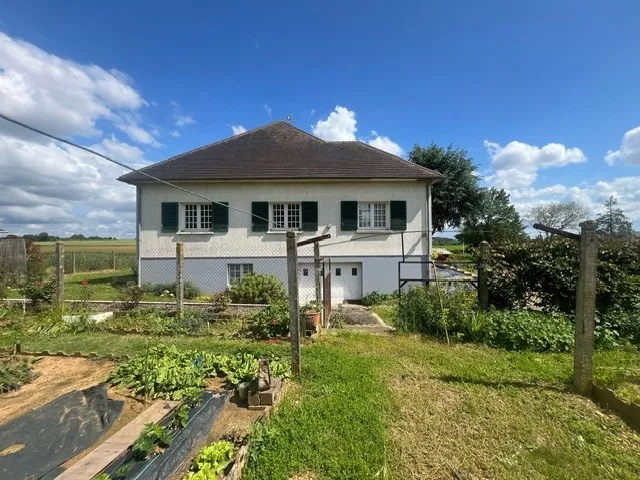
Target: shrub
(273,321)
(544,273)
(14,374)
(38,292)
(130,295)
(36,266)
(376,298)
(152,439)
(420,311)
(529,330)
(256,288)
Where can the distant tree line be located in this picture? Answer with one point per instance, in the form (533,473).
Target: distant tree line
(46,237)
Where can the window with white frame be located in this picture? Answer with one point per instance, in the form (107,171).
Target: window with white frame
(238,270)
(372,216)
(285,216)
(197,217)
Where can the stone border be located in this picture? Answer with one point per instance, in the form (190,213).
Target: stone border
(607,398)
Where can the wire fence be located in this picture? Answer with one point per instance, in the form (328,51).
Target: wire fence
(93,261)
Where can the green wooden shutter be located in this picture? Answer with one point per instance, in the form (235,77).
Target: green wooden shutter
(220,216)
(349,216)
(260,209)
(169,217)
(399,215)
(309,216)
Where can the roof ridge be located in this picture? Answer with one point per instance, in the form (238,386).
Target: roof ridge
(394,157)
(217,142)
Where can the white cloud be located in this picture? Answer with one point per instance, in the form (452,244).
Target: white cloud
(50,186)
(340,126)
(238,129)
(114,148)
(629,151)
(102,215)
(386,144)
(516,165)
(60,95)
(184,120)
(174,133)
(267,109)
(625,189)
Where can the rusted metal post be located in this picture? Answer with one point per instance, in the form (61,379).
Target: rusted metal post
(179,279)
(318,273)
(294,310)
(59,272)
(483,281)
(586,309)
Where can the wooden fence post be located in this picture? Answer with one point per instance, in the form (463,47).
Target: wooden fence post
(483,283)
(586,309)
(316,264)
(294,311)
(179,279)
(59,272)
(73,262)
(114,260)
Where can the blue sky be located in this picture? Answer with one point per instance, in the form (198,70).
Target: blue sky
(538,93)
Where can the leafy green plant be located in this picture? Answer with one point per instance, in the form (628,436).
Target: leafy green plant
(211,461)
(529,330)
(38,292)
(273,321)
(122,472)
(173,374)
(181,417)
(153,439)
(257,288)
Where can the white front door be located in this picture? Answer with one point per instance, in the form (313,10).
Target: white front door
(306,283)
(346,282)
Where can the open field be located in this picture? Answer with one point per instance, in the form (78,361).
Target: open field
(128,246)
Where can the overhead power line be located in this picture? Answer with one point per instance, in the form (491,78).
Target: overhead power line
(123,165)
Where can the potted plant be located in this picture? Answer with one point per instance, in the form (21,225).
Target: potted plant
(312,310)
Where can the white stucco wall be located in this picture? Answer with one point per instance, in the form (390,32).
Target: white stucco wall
(240,241)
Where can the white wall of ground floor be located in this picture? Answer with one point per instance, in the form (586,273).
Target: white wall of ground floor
(210,275)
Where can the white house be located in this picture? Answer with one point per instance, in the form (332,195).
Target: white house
(273,179)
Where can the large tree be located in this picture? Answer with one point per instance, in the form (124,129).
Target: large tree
(562,215)
(498,221)
(613,222)
(457,196)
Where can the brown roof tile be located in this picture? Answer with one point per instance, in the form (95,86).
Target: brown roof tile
(281,151)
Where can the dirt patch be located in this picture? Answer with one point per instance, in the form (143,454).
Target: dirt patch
(56,376)
(235,420)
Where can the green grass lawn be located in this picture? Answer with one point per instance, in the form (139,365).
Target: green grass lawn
(410,408)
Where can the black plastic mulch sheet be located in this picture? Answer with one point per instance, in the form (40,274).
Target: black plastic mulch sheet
(172,459)
(55,432)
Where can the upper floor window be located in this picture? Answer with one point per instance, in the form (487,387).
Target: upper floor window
(197,217)
(285,216)
(372,216)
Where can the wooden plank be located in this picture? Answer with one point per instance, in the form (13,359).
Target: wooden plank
(118,443)
(556,231)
